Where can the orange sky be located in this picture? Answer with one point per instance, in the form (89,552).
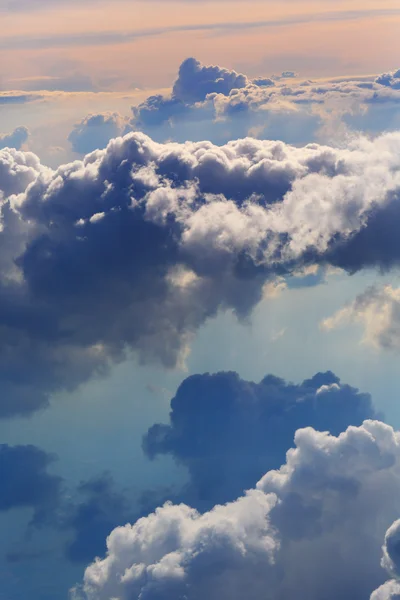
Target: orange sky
(314,38)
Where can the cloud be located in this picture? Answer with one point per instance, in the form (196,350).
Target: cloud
(391,562)
(296,112)
(227,432)
(26,482)
(110,37)
(388,591)
(95,131)
(73,82)
(218,104)
(378,312)
(17,171)
(311,530)
(391,80)
(222,103)
(92,519)
(195,81)
(136,246)
(16,139)
(18,97)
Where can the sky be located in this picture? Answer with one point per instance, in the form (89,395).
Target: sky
(199,300)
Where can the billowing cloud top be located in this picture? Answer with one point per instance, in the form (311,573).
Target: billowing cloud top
(210,102)
(138,244)
(311,530)
(195,81)
(228,431)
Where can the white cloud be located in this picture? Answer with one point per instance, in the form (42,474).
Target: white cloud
(377,310)
(311,530)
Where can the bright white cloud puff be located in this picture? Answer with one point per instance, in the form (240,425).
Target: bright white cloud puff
(311,530)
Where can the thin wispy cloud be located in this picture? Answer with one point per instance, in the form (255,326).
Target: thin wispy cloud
(103,38)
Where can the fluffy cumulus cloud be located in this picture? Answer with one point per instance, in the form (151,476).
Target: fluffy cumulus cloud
(16,139)
(210,102)
(224,104)
(377,310)
(391,79)
(195,81)
(227,432)
(137,245)
(312,529)
(27,483)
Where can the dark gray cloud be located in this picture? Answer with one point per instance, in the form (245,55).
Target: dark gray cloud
(99,511)
(228,432)
(136,246)
(15,139)
(312,529)
(26,482)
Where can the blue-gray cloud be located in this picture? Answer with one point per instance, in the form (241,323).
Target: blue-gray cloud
(100,509)
(27,483)
(16,139)
(272,108)
(210,102)
(17,98)
(227,432)
(96,130)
